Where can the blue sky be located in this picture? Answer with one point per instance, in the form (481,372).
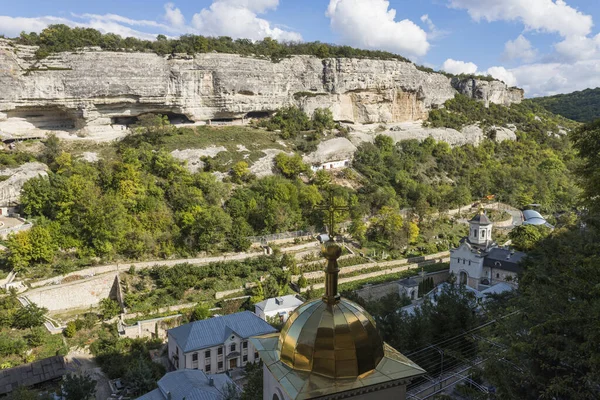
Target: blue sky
(544,46)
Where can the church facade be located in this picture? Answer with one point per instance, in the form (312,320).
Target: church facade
(479,262)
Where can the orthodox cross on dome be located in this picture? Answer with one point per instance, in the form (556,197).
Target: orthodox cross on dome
(331,251)
(331,208)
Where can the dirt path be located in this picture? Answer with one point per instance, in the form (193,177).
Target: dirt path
(82,362)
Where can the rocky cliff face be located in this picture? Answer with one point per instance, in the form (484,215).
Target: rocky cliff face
(10,189)
(90,90)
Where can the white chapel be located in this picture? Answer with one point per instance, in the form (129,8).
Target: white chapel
(479,262)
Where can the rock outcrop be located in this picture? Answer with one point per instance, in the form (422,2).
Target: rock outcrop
(90,91)
(10,189)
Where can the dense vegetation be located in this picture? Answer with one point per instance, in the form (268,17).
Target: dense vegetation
(432,174)
(56,38)
(526,117)
(141,203)
(581,106)
(552,341)
(128,359)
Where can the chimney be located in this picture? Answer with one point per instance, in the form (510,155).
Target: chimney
(211,382)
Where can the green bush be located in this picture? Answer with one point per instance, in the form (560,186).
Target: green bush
(70,329)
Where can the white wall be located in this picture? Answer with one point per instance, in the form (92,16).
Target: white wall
(186,360)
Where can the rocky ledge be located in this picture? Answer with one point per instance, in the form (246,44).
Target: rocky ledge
(90,91)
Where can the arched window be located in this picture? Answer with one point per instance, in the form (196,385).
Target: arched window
(475,232)
(498,276)
(275,397)
(483,234)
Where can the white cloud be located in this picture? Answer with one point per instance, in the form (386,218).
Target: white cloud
(503,75)
(432,31)
(520,48)
(372,24)
(235,18)
(578,48)
(173,15)
(13,26)
(553,78)
(238,19)
(459,67)
(541,15)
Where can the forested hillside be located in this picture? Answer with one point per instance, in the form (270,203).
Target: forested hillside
(581,106)
(139,202)
(550,337)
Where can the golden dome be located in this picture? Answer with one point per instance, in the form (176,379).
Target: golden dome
(335,339)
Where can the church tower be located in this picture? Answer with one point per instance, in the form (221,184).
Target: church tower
(330,348)
(480,230)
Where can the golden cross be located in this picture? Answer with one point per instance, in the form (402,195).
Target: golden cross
(331,208)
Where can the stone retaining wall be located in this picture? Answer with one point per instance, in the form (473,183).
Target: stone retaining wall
(376,274)
(80,294)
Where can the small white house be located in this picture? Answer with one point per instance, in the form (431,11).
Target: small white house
(280,307)
(217,344)
(331,165)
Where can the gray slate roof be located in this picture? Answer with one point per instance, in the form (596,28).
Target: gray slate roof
(274,304)
(504,259)
(191,384)
(481,219)
(214,331)
(32,373)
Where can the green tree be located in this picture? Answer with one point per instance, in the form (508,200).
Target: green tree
(70,329)
(109,308)
(550,339)
(200,312)
(290,166)
(78,387)
(322,120)
(29,248)
(302,282)
(525,237)
(29,316)
(240,172)
(358,230)
(254,382)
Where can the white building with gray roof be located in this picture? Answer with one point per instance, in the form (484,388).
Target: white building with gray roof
(277,307)
(191,384)
(217,344)
(479,262)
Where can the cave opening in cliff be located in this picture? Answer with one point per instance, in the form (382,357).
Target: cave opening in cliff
(174,118)
(259,114)
(43,118)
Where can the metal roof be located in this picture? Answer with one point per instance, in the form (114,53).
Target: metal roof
(189,384)
(481,219)
(32,373)
(278,303)
(214,331)
(504,259)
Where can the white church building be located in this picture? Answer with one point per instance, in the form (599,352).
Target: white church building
(479,262)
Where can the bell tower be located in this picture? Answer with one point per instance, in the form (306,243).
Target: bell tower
(480,230)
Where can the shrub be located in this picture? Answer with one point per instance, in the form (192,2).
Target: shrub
(70,329)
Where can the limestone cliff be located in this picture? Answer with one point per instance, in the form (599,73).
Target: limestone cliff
(90,90)
(10,189)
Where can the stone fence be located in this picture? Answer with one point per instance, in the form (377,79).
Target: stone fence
(92,271)
(377,273)
(376,292)
(360,267)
